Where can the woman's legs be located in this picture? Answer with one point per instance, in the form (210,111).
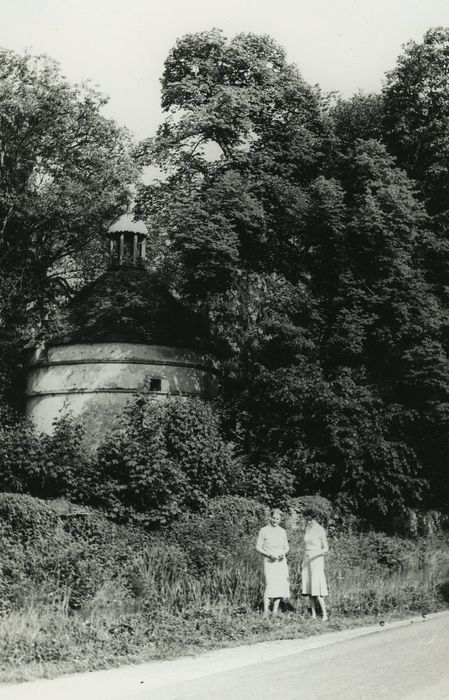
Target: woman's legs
(322,606)
(276,605)
(312,606)
(266,606)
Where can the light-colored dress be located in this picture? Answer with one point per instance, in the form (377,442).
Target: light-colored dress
(272,540)
(313,578)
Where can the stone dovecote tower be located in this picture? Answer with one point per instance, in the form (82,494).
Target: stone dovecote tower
(125,333)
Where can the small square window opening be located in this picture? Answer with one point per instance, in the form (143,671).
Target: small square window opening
(155,384)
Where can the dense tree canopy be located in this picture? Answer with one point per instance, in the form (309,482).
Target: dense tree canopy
(416,129)
(416,115)
(292,221)
(242,140)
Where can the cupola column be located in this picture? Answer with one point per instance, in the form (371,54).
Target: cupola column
(121,249)
(135,243)
(127,246)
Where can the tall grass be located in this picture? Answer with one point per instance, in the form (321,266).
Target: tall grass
(366,587)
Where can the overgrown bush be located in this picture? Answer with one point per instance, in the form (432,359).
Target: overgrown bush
(372,552)
(226,529)
(333,516)
(266,480)
(68,467)
(52,550)
(56,465)
(415,522)
(169,457)
(20,454)
(321,506)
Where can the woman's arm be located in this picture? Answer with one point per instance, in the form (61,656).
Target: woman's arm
(259,544)
(286,544)
(260,547)
(324,544)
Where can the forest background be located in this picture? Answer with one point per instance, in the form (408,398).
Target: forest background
(310,234)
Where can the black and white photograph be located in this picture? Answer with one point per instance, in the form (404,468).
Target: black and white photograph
(224,350)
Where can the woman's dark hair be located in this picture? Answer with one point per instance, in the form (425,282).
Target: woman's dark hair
(311,512)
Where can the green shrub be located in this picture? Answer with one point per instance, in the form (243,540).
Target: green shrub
(49,551)
(372,552)
(321,506)
(392,553)
(67,468)
(21,455)
(243,515)
(56,465)
(415,522)
(334,516)
(267,481)
(225,531)
(169,457)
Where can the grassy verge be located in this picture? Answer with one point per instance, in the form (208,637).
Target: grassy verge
(79,593)
(44,644)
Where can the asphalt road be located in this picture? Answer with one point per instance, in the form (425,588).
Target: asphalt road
(405,663)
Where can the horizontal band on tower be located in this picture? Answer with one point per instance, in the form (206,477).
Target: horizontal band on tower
(118,390)
(156,363)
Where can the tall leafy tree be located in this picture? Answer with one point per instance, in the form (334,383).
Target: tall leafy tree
(416,121)
(65,171)
(243,137)
(359,117)
(416,126)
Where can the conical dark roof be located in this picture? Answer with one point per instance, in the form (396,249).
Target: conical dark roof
(131,305)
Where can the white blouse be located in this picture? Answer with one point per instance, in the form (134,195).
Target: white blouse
(315,539)
(272,541)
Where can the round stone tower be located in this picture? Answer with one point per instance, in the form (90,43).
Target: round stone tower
(125,334)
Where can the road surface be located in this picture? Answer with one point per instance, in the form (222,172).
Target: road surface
(405,663)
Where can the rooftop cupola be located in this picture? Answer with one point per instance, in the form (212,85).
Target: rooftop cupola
(127,241)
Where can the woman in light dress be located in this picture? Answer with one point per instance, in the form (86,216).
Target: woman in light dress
(313,578)
(272,544)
